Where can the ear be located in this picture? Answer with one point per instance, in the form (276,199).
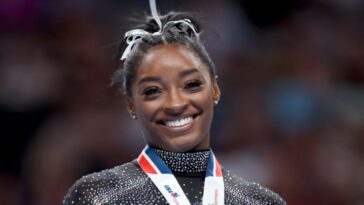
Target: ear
(130,107)
(215,89)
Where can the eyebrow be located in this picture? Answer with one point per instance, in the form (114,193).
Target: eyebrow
(188,72)
(158,79)
(150,79)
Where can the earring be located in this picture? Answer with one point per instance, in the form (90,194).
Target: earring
(216,102)
(133,115)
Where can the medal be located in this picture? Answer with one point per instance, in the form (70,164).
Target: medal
(167,184)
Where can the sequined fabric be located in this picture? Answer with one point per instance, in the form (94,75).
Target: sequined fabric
(128,184)
(187,162)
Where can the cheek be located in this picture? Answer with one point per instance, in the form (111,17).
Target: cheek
(146,110)
(204,101)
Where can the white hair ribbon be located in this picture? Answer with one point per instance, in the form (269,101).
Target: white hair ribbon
(131,37)
(153,9)
(182,25)
(134,36)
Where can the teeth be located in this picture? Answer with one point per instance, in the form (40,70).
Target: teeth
(179,123)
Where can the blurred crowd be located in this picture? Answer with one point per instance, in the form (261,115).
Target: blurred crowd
(291,116)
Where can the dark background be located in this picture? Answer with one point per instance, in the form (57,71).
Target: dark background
(291,115)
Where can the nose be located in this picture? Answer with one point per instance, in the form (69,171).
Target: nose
(175,103)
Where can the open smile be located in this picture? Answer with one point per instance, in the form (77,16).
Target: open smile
(179,123)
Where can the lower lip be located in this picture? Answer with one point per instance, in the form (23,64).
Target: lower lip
(181,129)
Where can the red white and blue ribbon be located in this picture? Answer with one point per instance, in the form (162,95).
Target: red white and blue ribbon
(168,185)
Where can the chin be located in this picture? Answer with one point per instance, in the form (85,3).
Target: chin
(179,147)
(184,144)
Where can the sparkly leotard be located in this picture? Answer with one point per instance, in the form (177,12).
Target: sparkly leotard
(128,184)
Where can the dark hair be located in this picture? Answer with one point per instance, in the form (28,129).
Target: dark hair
(126,73)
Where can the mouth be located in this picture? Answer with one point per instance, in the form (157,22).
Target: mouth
(178,123)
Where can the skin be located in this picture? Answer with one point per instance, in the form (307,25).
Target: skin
(172,83)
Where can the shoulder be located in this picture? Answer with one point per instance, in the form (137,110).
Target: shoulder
(103,187)
(239,191)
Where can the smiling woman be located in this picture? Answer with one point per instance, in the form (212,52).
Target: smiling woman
(172,96)
(170,85)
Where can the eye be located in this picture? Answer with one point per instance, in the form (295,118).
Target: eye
(151,91)
(194,85)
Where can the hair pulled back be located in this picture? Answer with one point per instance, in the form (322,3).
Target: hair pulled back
(125,75)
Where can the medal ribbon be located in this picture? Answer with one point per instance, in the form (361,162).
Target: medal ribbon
(168,185)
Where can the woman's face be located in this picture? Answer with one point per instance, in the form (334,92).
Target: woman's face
(173,96)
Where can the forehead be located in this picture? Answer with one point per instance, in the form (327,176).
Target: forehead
(168,59)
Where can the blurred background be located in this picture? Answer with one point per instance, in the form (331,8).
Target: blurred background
(291,115)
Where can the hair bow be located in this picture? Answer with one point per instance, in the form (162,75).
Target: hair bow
(183,26)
